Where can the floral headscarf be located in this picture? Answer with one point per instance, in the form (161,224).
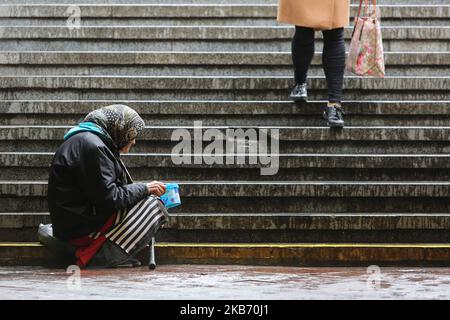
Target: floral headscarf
(119,121)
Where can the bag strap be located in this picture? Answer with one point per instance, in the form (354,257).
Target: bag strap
(366,7)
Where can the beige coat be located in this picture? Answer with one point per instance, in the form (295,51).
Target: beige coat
(317,14)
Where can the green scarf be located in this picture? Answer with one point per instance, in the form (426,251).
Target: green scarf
(84,127)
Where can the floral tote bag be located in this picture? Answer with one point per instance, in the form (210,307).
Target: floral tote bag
(366,56)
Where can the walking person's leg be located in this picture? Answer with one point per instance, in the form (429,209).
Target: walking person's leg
(333,60)
(302,54)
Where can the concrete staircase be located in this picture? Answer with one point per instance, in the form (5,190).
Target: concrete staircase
(377,191)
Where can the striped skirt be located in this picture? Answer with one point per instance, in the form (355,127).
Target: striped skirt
(130,230)
(140,222)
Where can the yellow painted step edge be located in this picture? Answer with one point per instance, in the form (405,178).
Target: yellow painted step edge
(271,245)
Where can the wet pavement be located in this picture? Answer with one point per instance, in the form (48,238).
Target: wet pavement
(200,282)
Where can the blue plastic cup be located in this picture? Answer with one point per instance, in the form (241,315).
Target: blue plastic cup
(172,196)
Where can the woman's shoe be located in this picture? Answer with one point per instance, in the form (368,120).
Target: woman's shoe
(334,114)
(299,93)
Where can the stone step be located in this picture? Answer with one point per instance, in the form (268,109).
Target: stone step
(277,227)
(153,108)
(197,64)
(275,45)
(257,189)
(294,119)
(428,89)
(286,146)
(234,113)
(293,167)
(188,15)
(234,33)
(294,161)
(164,58)
(273,221)
(186,70)
(202,71)
(254,173)
(207,88)
(103,22)
(352,140)
(29,196)
(160,133)
(295,254)
(204,11)
(234,83)
(233,173)
(267,204)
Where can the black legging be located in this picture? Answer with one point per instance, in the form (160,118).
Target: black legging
(333,58)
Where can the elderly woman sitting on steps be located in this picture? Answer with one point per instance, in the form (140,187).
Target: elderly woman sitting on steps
(94,204)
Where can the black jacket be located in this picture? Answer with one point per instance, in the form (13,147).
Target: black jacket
(87,185)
